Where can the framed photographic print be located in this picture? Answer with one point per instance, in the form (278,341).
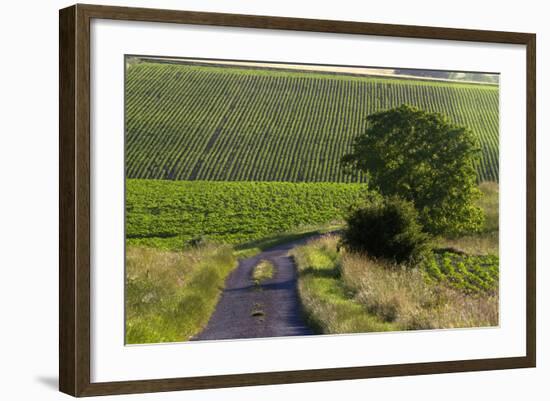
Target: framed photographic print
(250,200)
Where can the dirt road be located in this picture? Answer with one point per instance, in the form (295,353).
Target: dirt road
(250,310)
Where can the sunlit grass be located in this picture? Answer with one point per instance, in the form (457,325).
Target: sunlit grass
(348,293)
(328,305)
(407,298)
(171,295)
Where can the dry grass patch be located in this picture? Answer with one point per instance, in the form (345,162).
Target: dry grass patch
(406,298)
(479,244)
(263,271)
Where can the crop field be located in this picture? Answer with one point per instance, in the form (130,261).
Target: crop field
(467,273)
(190,122)
(167,214)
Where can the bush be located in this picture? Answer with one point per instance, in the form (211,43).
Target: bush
(388,229)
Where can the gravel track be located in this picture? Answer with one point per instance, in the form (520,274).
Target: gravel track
(269,309)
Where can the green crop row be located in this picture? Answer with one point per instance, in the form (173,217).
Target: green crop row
(468,273)
(189,122)
(168,214)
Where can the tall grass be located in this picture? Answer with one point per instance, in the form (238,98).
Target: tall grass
(328,304)
(406,298)
(347,293)
(171,295)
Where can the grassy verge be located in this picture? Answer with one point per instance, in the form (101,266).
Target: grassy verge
(347,293)
(171,295)
(328,304)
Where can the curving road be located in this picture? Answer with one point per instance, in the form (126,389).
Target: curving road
(248,310)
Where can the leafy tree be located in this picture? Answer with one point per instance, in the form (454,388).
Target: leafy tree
(424,158)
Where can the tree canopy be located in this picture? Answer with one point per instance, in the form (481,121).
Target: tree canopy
(424,158)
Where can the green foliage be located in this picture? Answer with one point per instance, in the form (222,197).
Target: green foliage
(191,122)
(423,158)
(388,229)
(468,273)
(487,240)
(172,214)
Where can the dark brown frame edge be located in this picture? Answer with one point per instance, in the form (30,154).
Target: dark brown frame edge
(74,199)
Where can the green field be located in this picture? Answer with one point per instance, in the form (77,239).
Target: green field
(190,122)
(166,214)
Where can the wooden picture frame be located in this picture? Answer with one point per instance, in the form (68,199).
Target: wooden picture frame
(74,203)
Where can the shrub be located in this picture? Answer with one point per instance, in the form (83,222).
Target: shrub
(388,229)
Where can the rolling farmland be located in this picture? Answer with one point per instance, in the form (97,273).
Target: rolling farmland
(219,123)
(234,182)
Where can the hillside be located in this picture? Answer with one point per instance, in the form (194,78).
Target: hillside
(190,122)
